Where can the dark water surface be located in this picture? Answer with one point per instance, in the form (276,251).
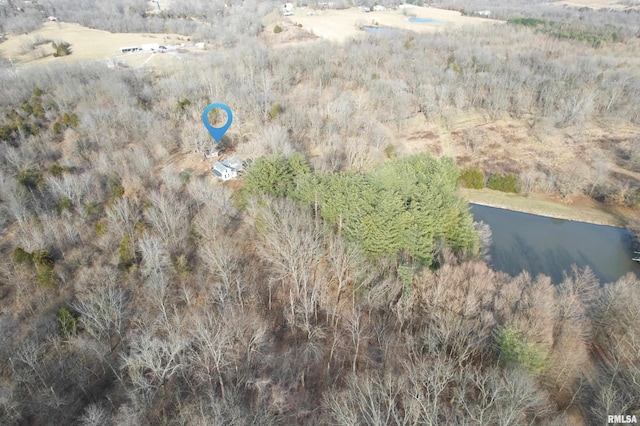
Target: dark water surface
(538,244)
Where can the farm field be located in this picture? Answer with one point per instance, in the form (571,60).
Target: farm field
(87,44)
(339,25)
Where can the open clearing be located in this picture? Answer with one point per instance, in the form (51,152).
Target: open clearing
(86,44)
(509,144)
(582,209)
(339,25)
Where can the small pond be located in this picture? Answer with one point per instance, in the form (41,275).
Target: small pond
(381,30)
(424,20)
(549,246)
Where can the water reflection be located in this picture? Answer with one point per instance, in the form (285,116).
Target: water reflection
(539,244)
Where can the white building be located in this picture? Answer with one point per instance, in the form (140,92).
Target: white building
(378,8)
(129,49)
(224,171)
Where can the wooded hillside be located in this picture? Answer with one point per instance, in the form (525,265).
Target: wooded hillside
(341,280)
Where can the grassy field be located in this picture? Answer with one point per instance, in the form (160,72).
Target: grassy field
(339,25)
(581,209)
(86,44)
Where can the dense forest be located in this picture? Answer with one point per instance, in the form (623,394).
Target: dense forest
(342,280)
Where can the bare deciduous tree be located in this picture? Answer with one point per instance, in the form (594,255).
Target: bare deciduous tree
(292,244)
(102,306)
(95,415)
(169,217)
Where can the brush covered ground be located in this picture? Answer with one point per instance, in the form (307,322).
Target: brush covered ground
(136,289)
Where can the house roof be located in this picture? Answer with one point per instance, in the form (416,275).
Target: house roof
(219,168)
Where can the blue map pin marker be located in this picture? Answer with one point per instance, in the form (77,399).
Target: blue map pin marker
(216,132)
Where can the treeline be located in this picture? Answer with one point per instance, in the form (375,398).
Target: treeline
(623,22)
(475,178)
(210,21)
(596,36)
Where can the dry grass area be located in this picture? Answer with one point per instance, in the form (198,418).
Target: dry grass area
(581,209)
(86,44)
(197,164)
(512,145)
(292,32)
(339,25)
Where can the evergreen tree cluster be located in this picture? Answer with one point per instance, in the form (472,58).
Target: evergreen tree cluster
(407,208)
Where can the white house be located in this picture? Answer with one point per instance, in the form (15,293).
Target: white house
(224,171)
(378,8)
(486,13)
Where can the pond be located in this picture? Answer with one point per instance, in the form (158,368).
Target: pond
(424,20)
(381,30)
(538,244)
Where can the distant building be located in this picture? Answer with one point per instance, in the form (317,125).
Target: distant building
(484,13)
(378,8)
(52,19)
(129,49)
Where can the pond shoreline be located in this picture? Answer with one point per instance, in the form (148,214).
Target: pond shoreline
(582,209)
(551,246)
